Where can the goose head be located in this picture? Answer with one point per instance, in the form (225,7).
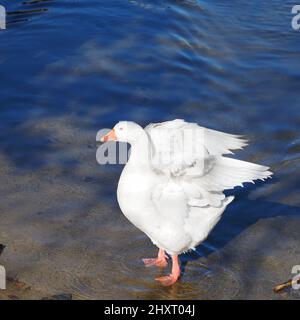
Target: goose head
(124,131)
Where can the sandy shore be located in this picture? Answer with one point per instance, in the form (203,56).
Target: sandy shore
(66,237)
(247,268)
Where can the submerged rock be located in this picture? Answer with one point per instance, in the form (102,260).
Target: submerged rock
(2,247)
(63,296)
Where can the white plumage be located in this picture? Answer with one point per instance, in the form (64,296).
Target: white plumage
(172,186)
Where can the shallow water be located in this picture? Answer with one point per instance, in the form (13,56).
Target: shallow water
(69,68)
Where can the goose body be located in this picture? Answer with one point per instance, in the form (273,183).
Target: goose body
(172,186)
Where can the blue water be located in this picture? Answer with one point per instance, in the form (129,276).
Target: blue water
(232,66)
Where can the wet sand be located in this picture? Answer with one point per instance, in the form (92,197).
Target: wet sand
(65,235)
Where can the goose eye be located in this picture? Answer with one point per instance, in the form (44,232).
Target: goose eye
(121,128)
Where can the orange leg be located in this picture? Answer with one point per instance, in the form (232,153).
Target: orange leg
(160,261)
(173,277)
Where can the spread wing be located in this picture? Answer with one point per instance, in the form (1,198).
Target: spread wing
(191,156)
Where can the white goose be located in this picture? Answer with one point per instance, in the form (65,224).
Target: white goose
(172,186)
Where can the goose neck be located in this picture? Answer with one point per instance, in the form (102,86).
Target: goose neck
(140,152)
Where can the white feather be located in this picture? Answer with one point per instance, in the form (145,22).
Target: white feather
(172,187)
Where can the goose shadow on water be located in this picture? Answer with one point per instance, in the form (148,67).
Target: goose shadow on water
(242,282)
(238,216)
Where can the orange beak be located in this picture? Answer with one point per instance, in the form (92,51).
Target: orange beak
(111,136)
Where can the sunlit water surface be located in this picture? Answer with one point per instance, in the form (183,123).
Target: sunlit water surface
(69,68)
